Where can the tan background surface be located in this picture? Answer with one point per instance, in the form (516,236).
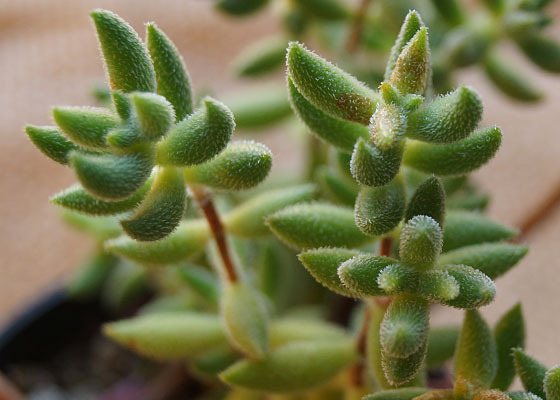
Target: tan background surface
(48,56)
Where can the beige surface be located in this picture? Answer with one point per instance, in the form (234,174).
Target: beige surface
(48,55)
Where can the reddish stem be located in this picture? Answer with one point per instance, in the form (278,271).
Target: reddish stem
(539,214)
(358,27)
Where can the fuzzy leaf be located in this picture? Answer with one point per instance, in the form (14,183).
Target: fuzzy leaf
(86,126)
(293,367)
(411,25)
(155,114)
(397,279)
(360,273)
(407,393)
(379,210)
(240,166)
(124,137)
(509,333)
(245,319)
(531,372)
(162,209)
(187,240)
(335,187)
(199,137)
(523,396)
(428,199)
(552,383)
(465,228)
(420,242)
(248,219)
(329,88)
(323,264)
(387,126)
(456,158)
(173,81)
(127,60)
(340,133)
(401,370)
(476,357)
(475,288)
(437,286)
(261,57)
(441,345)
(50,142)
(122,104)
(372,166)
(291,329)
(412,69)
(201,281)
(542,51)
(240,7)
(260,108)
(111,177)
(446,119)
(168,336)
(312,225)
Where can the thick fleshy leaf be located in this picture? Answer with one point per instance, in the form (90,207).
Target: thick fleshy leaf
(340,133)
(399,371)
(240,166)
(420,242)
(441,345)
(437,286)
(531,372)
(323,264)
(111,177)
(248,219)
(397,279)
(124,137)
(465,228)
(86,126)
(412,69)
(359,274)
(412,24)
(292,329)
(312,225)
(199,137)
(161,210)
(379,210)
(329,88)
(446,119)
(101,228)
(428,199)
(542,51)
(457,158)
(372,166)
(240,7)
(408,393)
(89,279)
(187,240)
(213,362)
(552,383)
(475,288)
(387,126)
(173,81)
(50,142)
(169,336)
(476,357)
(335,187)
(127,60)
(202,281)
(373,346)
(293,367)
(245,318)
(259,108)
(155,114)
(261,57)
(509,333)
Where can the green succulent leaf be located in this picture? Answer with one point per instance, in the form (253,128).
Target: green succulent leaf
(412,69)
(101,228)
(429,200)
(124,137)
(450,10)
(552,383)
(466,45)
(242,165)
(122,104)
(173,81)
(542,51)
(50,142)
(202,281)
(127,60)
(531,372)
(387,126)
(360,273)
(397,279)
(161,210)
(291,329)
(379,210)
(373,346)
(441,345)
(407,393)
(420,242)
(198,138)
(372,166)
(331,10)
(509,333)
(335,187)
(437,286)
(212,363)
(293,367)
(259,108)
(155,114)
(261,57)
(329,88)
(86,126)
(411,25)
(475,288)
(399,371)
(312,225)
(457,158)
(523,396)
(240,7)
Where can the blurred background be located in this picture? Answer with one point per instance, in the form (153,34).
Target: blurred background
(49,56)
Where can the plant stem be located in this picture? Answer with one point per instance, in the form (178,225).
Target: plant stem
(205,202)
(356,32)
(357,371)
(539,214)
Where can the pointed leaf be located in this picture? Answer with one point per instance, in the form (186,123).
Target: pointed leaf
(428,199)
(441,345)
(437,286)
(420,242)
(261,57)
(155,114)
(360,273)
(475,288)
(259,108)
(412,24)
(292,329)
(372,166)
(86,126)
(542,51)
(552,383)
(50,142)
(531,372)
(101,228)
(412,69)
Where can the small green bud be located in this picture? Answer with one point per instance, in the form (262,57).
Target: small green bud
(340,133)
(260,108)
(240,7)
(429,200)
(401,370)
(465,228)
(248,219)
(199,137)
(293,367)
(291,329)
(111,177)
(411,25)
(456,158)
(313,225)
(127,60)
(397,279)
(168,336)
(412,69)
(86,126)
(360,274)
(475,289)
(552,383)
(476,357)
(245,319)
(173,81)
(155,114)
(50,142)
(101,228)
(331,10)
(531,372)
(201,281)
(87,282)
(323,264)
(437,286)
(372,166)
(261,57)
(420,242)
(387,126)
(407,393)
(186,241)
(542,51)
(450,10)
(240,166)
(328,87)
(509,333)
(161,211)
(335,187)
(446,119)
(441,345)
(379,210)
